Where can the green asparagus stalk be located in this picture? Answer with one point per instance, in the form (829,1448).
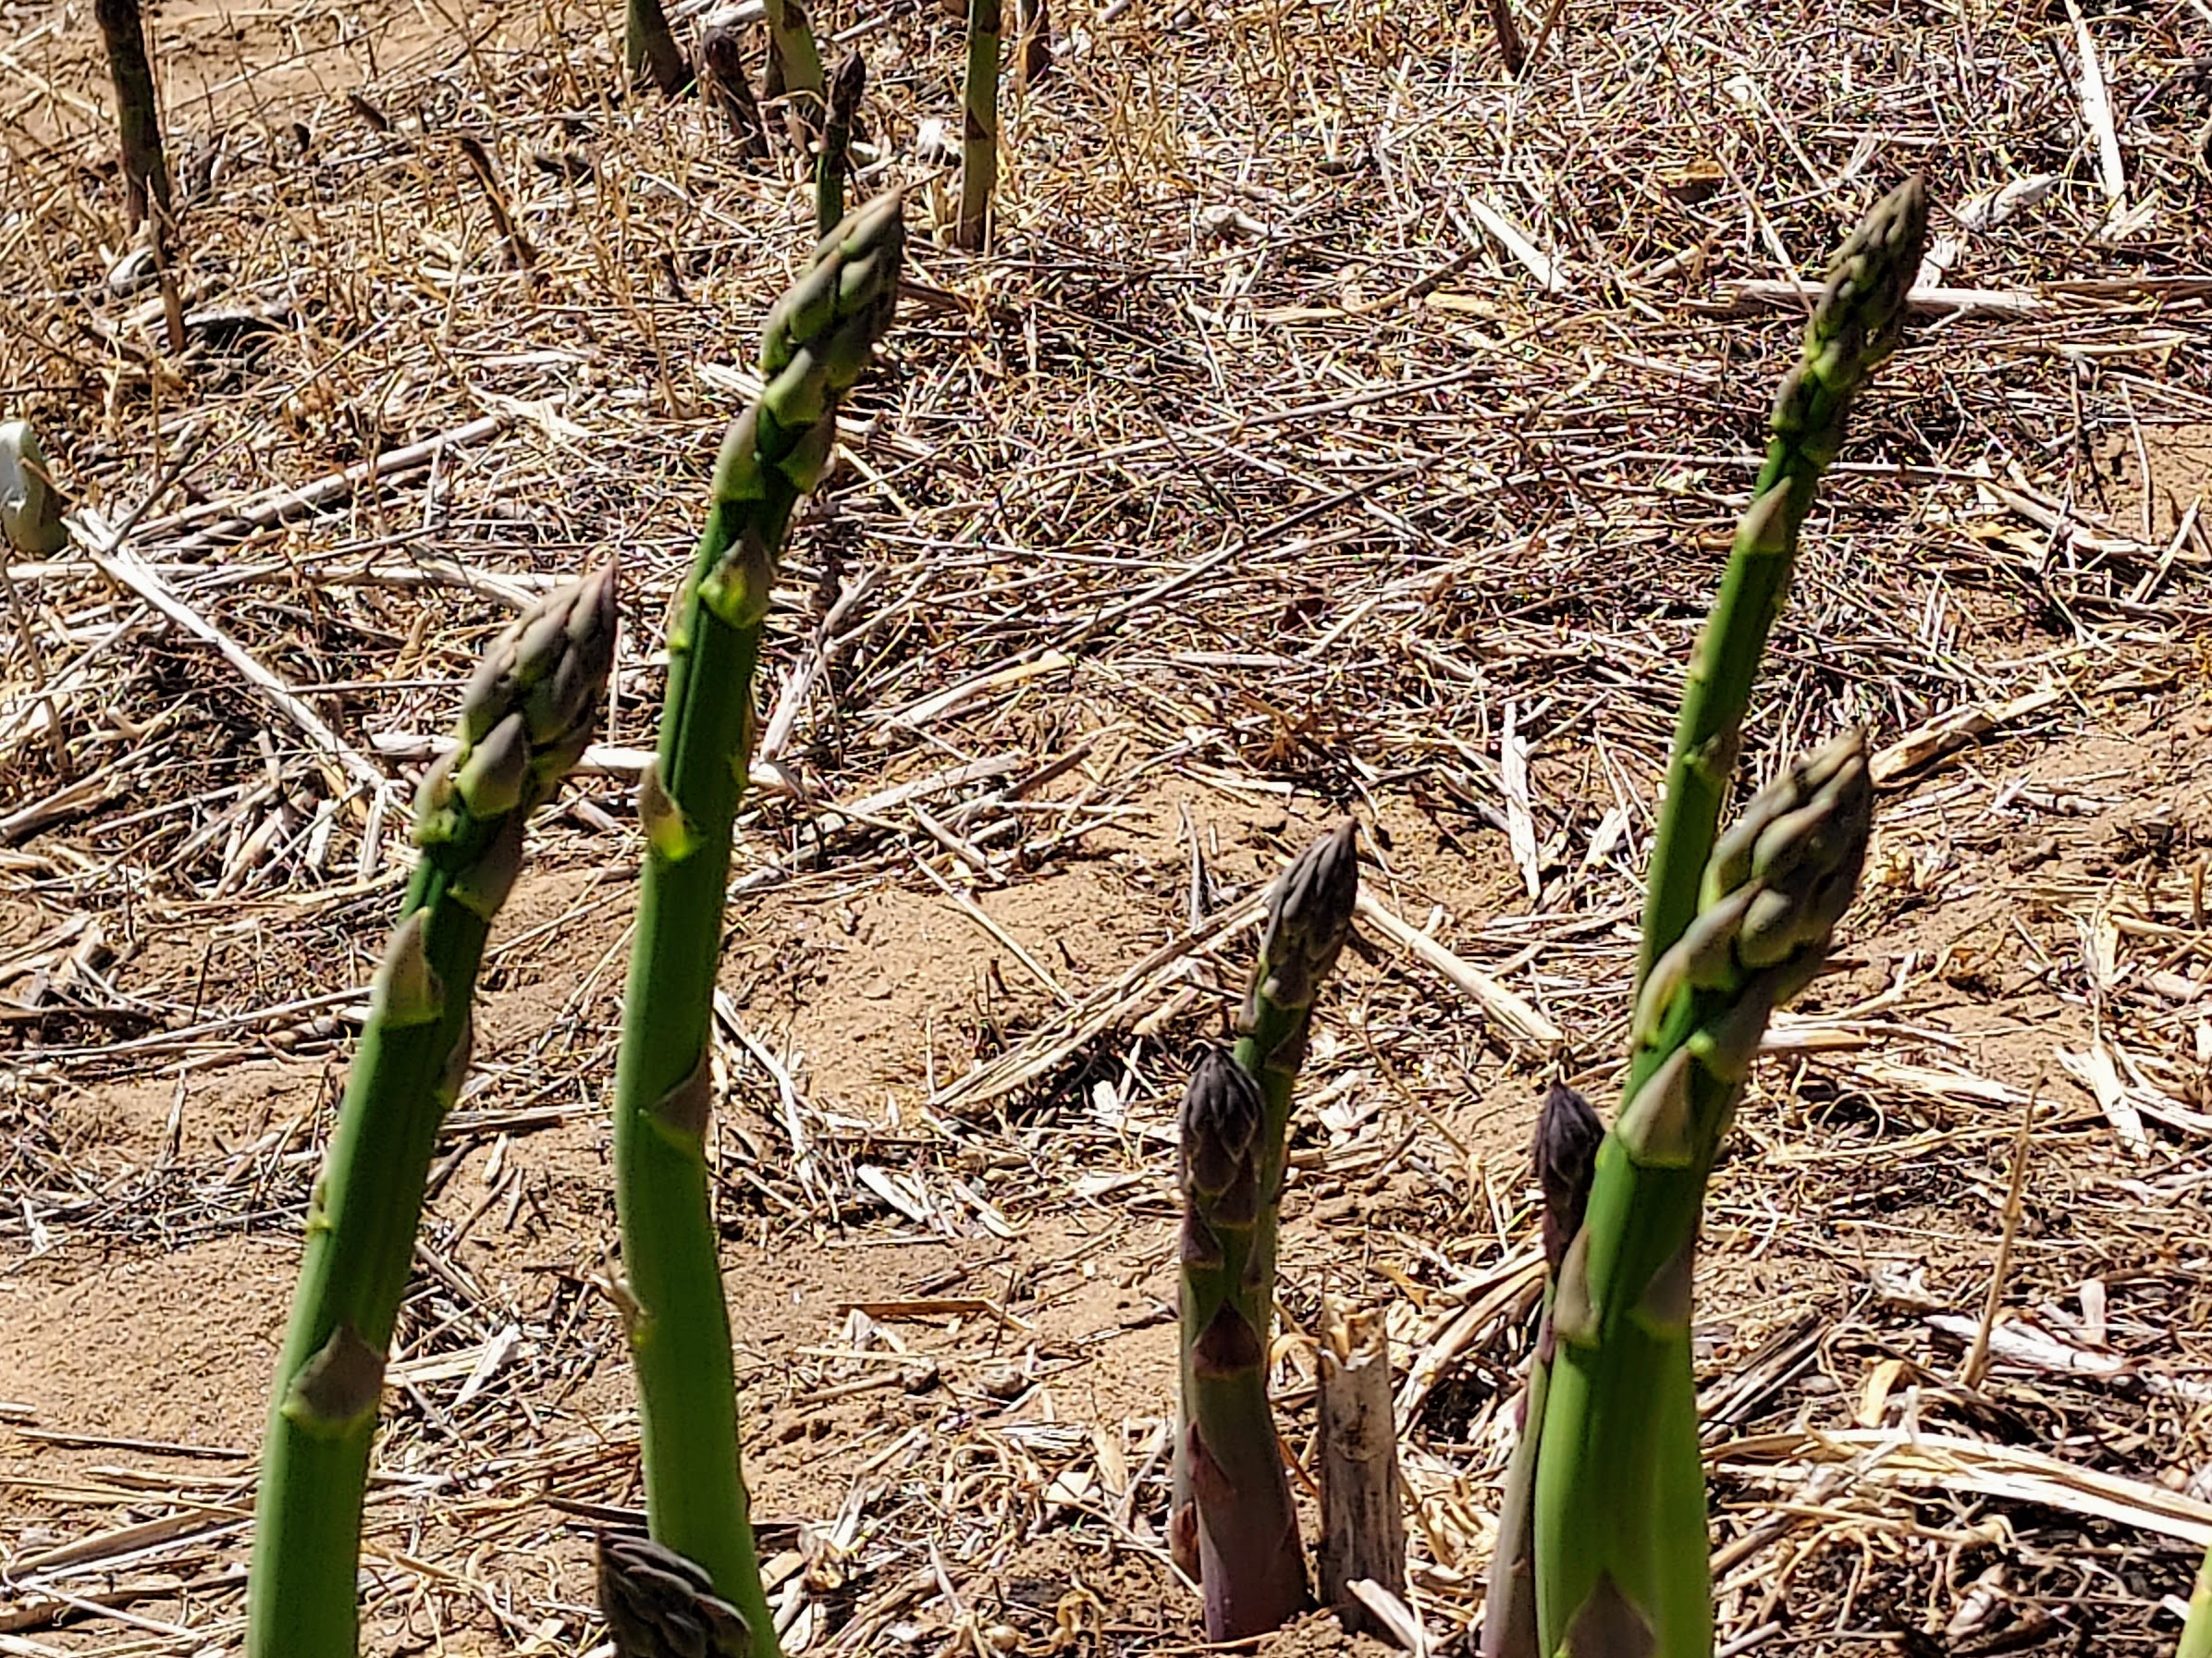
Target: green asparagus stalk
(797,62)
(1567,1135)
(1856,326)
(1614,1513)
(1308,919)
(2196,1634)
(979,125)
(524,721)
(1620,1550)
(29,507)
(649,48)
(1252,1565)
(818,339)
(659,1604)
(1232,1498)
(847,82)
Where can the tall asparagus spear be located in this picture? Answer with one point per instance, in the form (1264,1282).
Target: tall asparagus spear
(1232,1497)
(524,719)
(1620,1548)
(847,81)
(818,340)
(979,123)
(1616,1517)
(1857,325)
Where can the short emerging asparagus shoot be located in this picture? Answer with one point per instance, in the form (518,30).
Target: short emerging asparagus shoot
(1234,1518)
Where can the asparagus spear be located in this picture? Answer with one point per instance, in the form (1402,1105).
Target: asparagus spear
(847,82)
(524,719)
(722,54)
(1309,919)
(979,123)
(1620,1516)
(1567,1135)
(138,116)
(1232,1499)
(795,63)
(1856,326)
(659,1604)
(649,48)
(1607,1505)
(818,339)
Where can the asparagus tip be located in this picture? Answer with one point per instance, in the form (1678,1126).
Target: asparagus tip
(1309,919)
(1221,1119)
(1567,1135)
(1861,316)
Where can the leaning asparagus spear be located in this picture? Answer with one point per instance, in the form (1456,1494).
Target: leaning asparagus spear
(818,339)
(1233,1515)
(524,721)
(1620,1546)
(1856,326)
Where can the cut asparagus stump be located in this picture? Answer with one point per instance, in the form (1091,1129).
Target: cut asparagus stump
(1355,1445)
(524,721)
(819,337)
(29,506)
(1619,1533)
(1233,1517)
